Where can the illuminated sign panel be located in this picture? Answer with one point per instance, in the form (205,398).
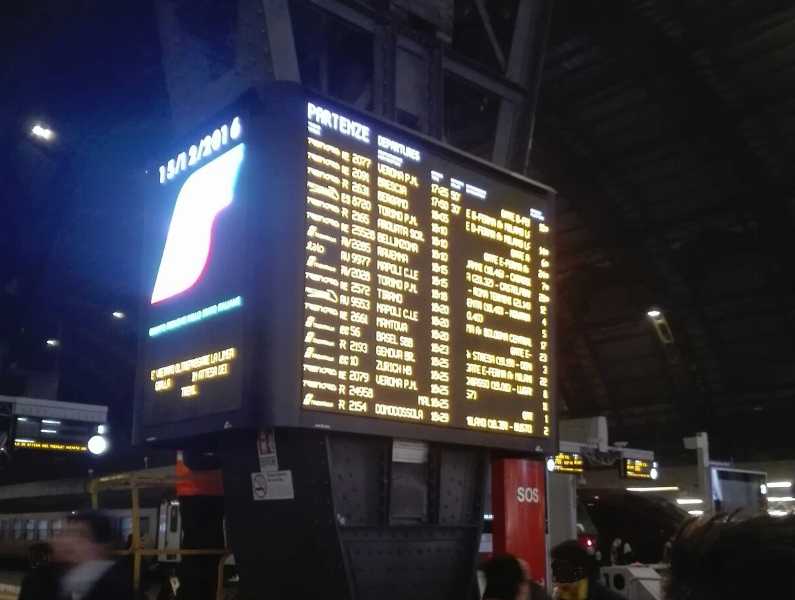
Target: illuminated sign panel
(638,469)
(193,324)
(34,433)
(566,463)
(341,273)
(427,285)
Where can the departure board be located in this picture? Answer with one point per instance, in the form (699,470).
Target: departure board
(428,285)
(571,464)
(310,266)
(638,469)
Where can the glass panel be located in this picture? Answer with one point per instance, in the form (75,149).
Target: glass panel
(43,529)
(17,529)
(30,529)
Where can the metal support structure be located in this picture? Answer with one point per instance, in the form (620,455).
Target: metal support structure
(371,528)
(516,122)
(264,51)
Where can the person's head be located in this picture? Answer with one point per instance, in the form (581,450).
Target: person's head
(507,578)
(729,558)
(40,554)
(88,535)
(571,565)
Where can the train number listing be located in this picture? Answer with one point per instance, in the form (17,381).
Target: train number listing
(427,293)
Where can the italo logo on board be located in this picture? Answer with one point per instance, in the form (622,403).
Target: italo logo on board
(203,196)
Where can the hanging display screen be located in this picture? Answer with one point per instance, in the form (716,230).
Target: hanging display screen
(428,285)
(311,266)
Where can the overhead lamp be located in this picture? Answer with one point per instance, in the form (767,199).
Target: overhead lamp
(684,501)
(779,484)
(52,343)
(781,499)
(117,314)
(653,313)
(777,513)
(551,465)
(97,444)
(696,513)
(763,489)
(42,132)
(654,473)
(653,489)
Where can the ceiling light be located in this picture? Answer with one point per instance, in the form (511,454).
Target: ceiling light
(653,313)
(97,445)
(42,132)
(696,513)
(654,473)
(52,343)
(777,513)
(118,314)
(653,489)
(551,465)
(781,499)
(684,501)
(779,484)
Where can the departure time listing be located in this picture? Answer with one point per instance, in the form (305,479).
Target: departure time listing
(427,286)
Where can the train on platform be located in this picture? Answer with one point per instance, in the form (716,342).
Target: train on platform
(37,512)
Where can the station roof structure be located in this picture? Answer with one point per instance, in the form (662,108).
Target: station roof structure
(668,129)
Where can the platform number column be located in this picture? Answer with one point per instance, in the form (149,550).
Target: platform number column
(543,301)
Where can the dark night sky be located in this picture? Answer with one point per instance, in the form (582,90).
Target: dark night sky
(70,238)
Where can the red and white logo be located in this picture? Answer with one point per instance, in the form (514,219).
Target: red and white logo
(202,197)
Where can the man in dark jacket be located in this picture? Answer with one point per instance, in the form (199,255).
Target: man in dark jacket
(85,546)
(41,582)
(574,576)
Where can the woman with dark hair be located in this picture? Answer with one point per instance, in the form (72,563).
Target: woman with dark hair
(41,582)
(732,558)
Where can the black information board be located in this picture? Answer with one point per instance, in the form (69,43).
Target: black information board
(312,266)
(632,468)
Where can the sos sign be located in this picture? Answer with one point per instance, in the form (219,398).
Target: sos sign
(527,494)
(518,503)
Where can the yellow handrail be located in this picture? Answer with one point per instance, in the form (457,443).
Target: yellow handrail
(136,481)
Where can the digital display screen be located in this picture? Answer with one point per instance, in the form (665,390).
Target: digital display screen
(310,266)
(194,285)
(638,469)
(571,464)
(36,433)
(428,285)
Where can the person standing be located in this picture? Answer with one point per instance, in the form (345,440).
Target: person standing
(85,548)
(574,576)
(41,582)
(201,508)
(508,578)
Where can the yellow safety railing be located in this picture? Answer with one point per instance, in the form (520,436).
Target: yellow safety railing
(136,482)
